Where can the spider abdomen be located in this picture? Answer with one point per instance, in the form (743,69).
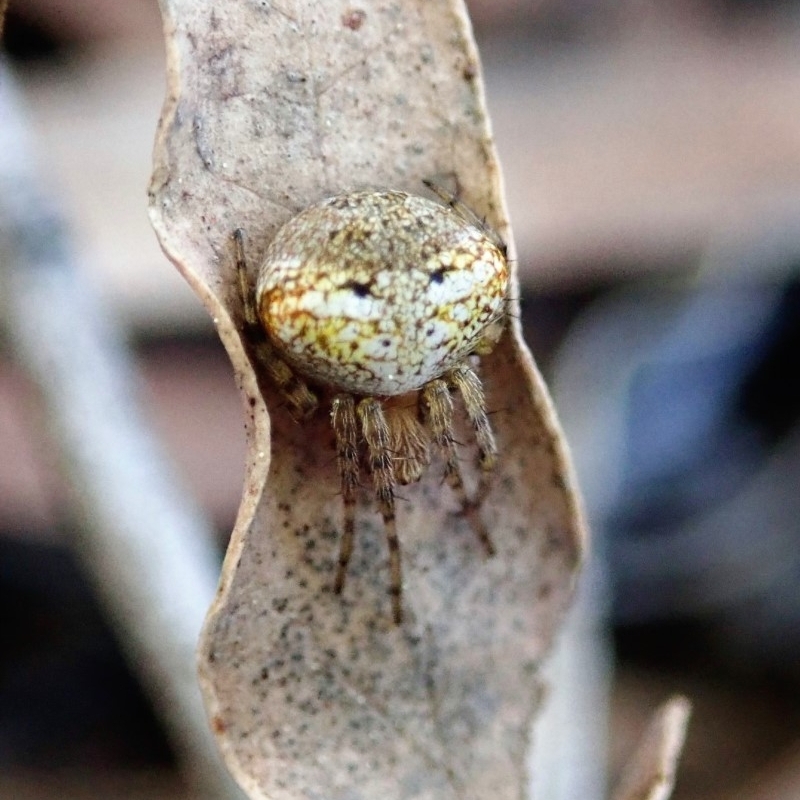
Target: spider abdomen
(378,293)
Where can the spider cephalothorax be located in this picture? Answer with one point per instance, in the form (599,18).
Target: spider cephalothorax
(372,296)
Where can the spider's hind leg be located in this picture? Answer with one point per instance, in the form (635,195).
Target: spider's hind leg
(465,212)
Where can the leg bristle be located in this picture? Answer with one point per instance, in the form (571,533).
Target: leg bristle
(376,434)
(343,421)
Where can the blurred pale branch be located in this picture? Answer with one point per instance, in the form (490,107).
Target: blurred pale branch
(145,545)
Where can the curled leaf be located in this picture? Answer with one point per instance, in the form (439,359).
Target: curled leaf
(651,772)
(271,107)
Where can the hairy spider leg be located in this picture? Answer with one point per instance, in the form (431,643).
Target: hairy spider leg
(376,434)
(345,428)
(464,379)
(468,385)
(301,400)
(409,442)
(437,411)
(466,213)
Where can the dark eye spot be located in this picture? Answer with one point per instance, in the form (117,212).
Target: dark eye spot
(358,288)
(437,276)
(386,342)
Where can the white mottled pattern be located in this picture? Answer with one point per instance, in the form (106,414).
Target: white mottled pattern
(378,293)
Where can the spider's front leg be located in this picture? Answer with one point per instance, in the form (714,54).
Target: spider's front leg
(464,379)
(436,406)
(301,400)
(345,429)
(346,418)
(376,434)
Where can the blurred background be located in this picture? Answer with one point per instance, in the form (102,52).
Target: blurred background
(652,161)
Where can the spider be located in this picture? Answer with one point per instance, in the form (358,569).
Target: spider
(370,297)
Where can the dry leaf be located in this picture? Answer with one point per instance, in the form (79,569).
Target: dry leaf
(651,773)
(273,106)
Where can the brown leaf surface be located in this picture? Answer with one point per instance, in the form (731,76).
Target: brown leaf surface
(272,106)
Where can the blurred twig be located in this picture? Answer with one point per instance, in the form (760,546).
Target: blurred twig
(147,548)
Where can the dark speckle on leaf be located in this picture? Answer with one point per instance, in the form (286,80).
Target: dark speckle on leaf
(354,18)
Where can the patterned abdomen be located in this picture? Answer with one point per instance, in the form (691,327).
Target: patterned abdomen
(378,293)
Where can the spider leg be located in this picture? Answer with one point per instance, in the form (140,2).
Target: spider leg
(464,379)
(468,384)
(409,442)
(376,434)
(463,210)
(343,420)
(437,411)
(245,292)
(301,400)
